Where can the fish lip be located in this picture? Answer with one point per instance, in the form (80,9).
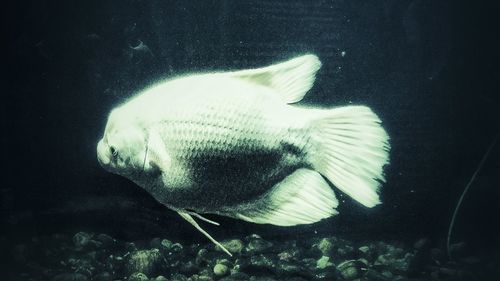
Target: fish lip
(102,156)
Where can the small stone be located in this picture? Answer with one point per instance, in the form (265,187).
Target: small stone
(257,245)
(348,269)
(375,276)
(238,276)
(261,278)
(145,261)
(421,243)
(290,254)
(202,258)
(106,240)
(326,246)
(346,251)
(189,267)
(178,277)
(234,246)
(285,268)
(220,270)
(81,239)
(262,261)
(387,274)
(323,262)
(155,243)
(364,249)
(160,278)
(70,277)
(130,246)
(176,248)
(138,276)
(103,276)
(166,244)
(349,273)
(197,277)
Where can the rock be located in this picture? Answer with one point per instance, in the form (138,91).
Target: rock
(346,251)
(261,278)
(375,276)
(155,243)
(197,277)
(220,270)
(290,254)
(323,263)
(166,244)
(188,268)
(284,268)
(103,276)
(326,246)
(81,239)
(176,248)
(159,278)
(178,277)
(146,261)
(421,243)
(138,276)
(262,262)
(257,245)
(364,249)
(234,246)
(348,270)
(238,276)
(130,246)
(70,277)
(106,240)
(202,258)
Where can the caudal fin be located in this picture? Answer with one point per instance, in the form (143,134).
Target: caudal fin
(350,148)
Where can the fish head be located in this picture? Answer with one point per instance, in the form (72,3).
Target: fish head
(123,147)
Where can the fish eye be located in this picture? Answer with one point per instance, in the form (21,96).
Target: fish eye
(113,151)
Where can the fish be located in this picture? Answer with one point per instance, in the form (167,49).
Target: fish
(239,144)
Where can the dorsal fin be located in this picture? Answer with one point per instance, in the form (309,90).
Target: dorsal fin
(291,79)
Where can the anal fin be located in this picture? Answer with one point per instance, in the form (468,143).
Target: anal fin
(303,197)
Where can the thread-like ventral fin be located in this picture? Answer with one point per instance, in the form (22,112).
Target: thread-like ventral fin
(186,215)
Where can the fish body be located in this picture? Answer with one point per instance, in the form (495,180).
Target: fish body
(235,144)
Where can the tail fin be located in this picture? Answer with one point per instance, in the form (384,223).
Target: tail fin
(351,149)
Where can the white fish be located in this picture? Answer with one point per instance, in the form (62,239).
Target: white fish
(234,144)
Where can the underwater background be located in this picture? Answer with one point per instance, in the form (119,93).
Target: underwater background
(427,68)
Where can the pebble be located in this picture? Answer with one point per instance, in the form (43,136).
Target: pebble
(348,270)
(138,276)
(323,262)
(257,245)
(70,277)
(234,246)
(103,276)
(145,261)
(326,246)
(220,270)
(81,239)
(238,276)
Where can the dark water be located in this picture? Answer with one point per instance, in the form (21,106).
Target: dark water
(428,68)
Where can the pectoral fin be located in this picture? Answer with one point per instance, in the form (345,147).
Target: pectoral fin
(156,154)
(186,215)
